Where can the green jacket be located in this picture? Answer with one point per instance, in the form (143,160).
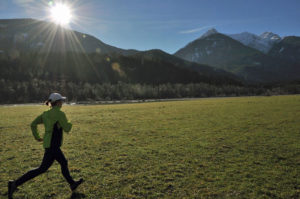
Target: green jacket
(49,118)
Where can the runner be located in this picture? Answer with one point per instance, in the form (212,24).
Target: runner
(55,122)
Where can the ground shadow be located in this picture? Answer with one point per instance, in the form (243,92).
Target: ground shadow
(76,195)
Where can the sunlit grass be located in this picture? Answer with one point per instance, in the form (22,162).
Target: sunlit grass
(209,148)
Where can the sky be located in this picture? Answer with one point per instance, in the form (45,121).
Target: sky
(165,24)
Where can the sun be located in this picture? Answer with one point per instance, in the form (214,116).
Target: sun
(61,14)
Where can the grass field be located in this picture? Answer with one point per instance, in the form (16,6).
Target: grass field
(208,148)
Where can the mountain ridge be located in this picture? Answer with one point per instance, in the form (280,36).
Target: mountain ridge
(211,54)
(73,56)
(263,42)
(37,35)
(222,51)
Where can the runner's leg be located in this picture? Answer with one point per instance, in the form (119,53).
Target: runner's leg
(59,156)
(46,163)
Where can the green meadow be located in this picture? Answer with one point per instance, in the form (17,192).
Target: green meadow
(247,147)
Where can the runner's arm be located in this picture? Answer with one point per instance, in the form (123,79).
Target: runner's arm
(64,123)
(34,130)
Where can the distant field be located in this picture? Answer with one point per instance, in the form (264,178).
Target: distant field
(208,148)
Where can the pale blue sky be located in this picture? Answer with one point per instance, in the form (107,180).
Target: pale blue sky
(166,24)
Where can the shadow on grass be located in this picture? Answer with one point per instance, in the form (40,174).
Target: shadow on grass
(77,195)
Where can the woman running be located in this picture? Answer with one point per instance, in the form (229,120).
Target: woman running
(55,123)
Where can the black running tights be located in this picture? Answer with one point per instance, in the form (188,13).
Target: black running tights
(49,157)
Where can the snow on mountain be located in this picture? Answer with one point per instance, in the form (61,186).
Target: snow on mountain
(270,36)
(263,43)
(209,32)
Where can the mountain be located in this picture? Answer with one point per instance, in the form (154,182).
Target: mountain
(287,49)
(207,73)
(269,36)
(263,43)
(209,32)
(23,35)
(223,52)
(32,49)
(215,49)
(99,68)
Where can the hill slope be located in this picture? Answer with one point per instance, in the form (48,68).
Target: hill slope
(23,35)
(98,68)
(208,72)
(288,49)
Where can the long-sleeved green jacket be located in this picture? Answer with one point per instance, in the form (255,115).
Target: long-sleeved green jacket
(49,118)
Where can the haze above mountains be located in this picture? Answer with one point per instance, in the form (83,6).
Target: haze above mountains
(244,57)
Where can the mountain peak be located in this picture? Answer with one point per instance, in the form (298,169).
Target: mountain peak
(270,36)
(209,32)
(263,42)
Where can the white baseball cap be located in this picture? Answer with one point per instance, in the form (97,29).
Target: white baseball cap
(56,96)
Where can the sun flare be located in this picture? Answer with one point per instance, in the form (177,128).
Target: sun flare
(61,14)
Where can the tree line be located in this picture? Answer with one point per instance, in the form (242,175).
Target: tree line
(38,90)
